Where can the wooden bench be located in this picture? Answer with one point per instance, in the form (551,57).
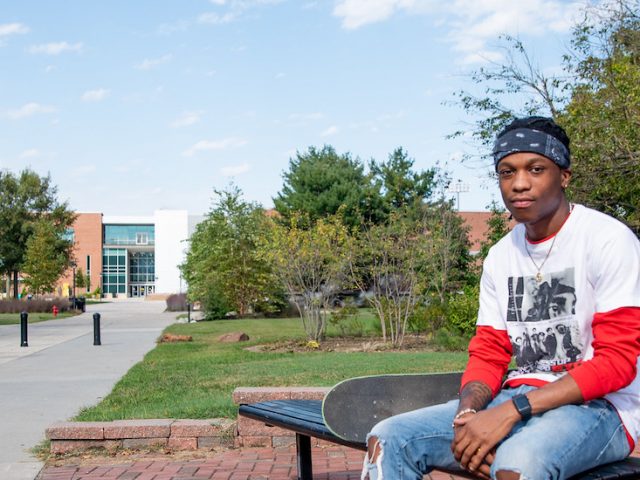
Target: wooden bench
(304,417)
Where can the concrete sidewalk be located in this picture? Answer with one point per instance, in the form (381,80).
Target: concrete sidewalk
(61,371)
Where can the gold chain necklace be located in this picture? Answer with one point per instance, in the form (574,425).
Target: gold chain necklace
(538,276)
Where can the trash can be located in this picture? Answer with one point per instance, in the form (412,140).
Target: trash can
(78,303)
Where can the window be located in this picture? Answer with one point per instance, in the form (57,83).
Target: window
(142,238)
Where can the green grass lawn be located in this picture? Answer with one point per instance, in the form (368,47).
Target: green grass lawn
(196,379)
(14,318)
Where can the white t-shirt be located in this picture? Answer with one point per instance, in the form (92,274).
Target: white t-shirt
(593,266)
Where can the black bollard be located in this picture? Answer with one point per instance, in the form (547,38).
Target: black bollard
(96,329)
(188,312)
(24,316)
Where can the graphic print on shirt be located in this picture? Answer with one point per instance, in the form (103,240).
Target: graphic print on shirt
(541,322)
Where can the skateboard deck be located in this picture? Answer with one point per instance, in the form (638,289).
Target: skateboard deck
(354,406)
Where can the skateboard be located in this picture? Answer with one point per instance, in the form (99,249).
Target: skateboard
(354,406)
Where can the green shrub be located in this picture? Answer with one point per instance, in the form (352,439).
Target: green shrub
(177,302)
(215,304)
(462,310)
(346,320)
(427,318)
(445,339)
(34,305)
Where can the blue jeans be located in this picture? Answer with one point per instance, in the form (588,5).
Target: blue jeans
(555,445)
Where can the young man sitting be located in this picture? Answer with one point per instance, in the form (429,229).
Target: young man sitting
(561,293)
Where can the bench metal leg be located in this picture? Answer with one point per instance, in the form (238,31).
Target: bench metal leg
(303,453)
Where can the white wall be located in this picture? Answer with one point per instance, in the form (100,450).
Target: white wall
(172,232)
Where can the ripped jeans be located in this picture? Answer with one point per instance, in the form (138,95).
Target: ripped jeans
(555,445)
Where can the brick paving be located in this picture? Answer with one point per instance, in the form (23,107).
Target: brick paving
(329,463)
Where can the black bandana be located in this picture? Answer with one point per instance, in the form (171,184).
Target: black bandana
(529,140)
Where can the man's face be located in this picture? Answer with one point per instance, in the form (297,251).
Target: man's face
(531,186)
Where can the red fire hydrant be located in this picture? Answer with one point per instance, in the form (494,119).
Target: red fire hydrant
(55,310)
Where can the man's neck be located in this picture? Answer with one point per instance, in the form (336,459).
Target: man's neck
(549,226)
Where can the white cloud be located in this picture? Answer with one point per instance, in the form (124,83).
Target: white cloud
(332,130)
(49,68)
(213,18)
(476,23)
(471,23)
(356,13)
(28,110)
(212,145)
(186,119)
(7,29)
(233,170)
(233,10)
(149,63)
(30,153)
(95,95)
(56,48)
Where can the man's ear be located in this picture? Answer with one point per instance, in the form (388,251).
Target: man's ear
(565,175)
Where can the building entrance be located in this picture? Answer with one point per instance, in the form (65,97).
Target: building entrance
(141,290)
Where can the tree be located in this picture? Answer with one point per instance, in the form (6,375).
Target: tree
(311,264)
(597,100)
(322,183)
(24,200)
(448,256)
(387,261)
(46,257)
(223,267)
(81,279)
(401,187)
(498,227)
(603,114)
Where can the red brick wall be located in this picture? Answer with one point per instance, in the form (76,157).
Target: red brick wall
(87,230)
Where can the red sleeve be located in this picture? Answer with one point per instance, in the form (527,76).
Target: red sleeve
(616,345)
(489,356)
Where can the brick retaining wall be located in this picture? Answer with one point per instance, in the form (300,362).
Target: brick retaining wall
(67,437)
(252,433)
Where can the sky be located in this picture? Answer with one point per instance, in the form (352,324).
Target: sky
(137,105)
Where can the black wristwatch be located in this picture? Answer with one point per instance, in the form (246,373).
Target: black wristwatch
(523,406)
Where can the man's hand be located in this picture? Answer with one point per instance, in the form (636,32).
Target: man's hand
(476,435)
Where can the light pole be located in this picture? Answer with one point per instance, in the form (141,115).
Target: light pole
(458,188)
(73,267)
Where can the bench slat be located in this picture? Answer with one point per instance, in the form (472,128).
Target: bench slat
(281,413)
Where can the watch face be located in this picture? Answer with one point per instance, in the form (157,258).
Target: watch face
(523,406)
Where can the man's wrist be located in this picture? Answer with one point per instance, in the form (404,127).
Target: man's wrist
(462,413)
(522,406)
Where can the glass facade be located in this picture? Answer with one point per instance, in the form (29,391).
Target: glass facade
(128,260)
(142,267)
(114,270)
(129,235)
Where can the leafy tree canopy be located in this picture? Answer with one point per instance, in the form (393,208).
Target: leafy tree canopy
(46,256)
(223,268)
(320,183)
(25,199)
(400,186)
